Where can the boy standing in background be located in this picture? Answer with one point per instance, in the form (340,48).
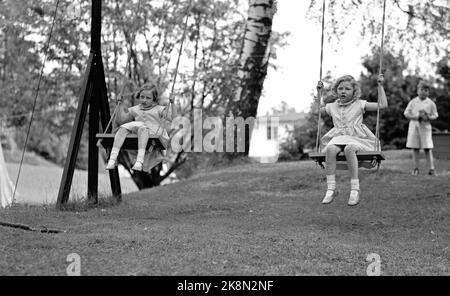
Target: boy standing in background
(420,111)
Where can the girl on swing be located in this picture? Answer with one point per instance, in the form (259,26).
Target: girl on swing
(349,134)
(146,120)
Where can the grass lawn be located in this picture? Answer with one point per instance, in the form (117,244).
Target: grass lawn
(40,180)
(247,220)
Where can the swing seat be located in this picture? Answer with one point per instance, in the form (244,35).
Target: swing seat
(131,142)
(363,156)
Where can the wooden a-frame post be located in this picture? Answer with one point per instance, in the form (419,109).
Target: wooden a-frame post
(94,95)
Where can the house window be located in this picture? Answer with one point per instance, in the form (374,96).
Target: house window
(272,133)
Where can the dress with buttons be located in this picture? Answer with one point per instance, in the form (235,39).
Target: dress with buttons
(348,127)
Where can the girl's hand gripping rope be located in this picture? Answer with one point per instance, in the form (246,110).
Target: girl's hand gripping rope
(319,86)
(319,93)
(119,102)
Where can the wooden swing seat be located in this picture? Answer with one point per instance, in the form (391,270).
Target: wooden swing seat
(131,142)
(368,156)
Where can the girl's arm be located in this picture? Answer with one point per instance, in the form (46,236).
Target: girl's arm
(172,113)
(381,97)
(320,96)
(322,107)
(123,115)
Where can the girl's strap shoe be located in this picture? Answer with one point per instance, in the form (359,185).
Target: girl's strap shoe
(137,166)
(354,197)
(329,196)
(111,164)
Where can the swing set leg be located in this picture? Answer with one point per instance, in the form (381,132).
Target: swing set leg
(94,96)
(378,169)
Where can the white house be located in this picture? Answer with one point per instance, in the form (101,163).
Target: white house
(269,132)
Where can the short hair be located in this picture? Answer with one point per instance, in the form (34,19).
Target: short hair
(423,84)
(354,83)
(150,87)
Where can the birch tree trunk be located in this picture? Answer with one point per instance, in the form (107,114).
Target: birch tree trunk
(254,57)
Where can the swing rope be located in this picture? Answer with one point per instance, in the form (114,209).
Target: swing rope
(174,80)
(377,132)
(319,93)
(123,79)
(178,62)
(47,47)
(179,54)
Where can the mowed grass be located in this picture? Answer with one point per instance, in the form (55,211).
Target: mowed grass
(247,220)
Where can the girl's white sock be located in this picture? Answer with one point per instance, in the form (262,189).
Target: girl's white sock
(331,182)
(114,153)
(140,156)
(354,184)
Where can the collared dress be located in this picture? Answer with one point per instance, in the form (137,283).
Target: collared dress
(153,119)
(420,133)
(348,127)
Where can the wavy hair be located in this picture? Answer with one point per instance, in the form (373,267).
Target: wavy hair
(354,83)
(150,87)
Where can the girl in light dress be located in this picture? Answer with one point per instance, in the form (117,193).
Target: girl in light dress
(349,134)
(147,121)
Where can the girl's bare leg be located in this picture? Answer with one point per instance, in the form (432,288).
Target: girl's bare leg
(143,136)
(352,163)
(331,152)
(352,160)
(330,159)
(119,139)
